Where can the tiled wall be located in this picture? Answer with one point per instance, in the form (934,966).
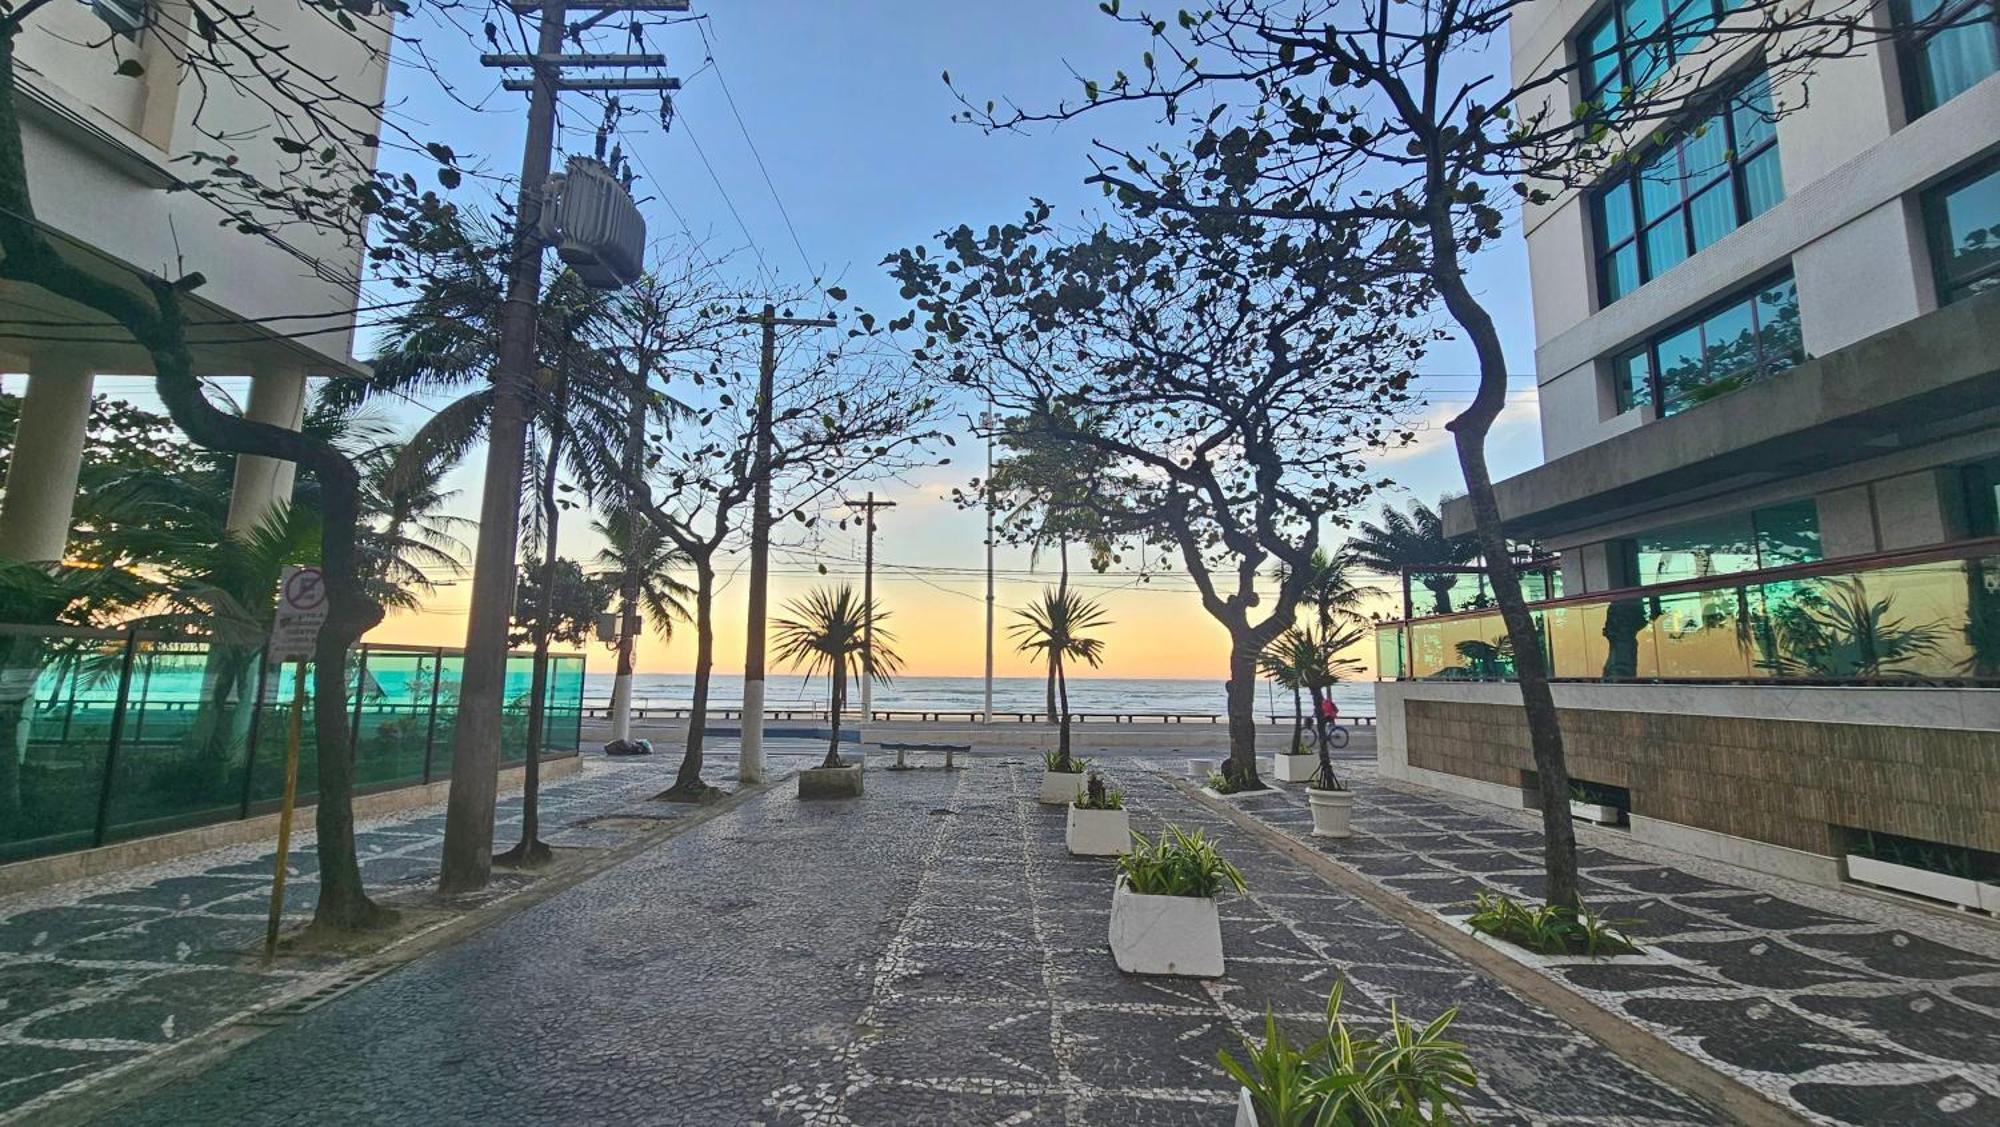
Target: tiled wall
(1784,782)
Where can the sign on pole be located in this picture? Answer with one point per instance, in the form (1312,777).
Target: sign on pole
(301,612)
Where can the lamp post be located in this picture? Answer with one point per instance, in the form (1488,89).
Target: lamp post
(986,420)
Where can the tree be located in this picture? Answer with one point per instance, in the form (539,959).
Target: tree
(1233,391)
(1333,113)
(640,562)
(324,179)
(1054,627)
(836,418)
(825,633)
(1412,545)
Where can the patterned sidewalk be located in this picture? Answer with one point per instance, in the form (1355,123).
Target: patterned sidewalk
(103,973)
(1846,1008)
(926,954)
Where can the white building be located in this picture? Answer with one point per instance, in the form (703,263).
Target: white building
(1769,373)
(102,150)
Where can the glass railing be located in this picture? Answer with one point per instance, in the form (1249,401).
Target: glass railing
(1930,616)
(113,735)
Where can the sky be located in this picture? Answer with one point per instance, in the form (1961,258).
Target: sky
(842,106)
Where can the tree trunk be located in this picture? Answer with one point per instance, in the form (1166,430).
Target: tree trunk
(687,781)
(531,851)
(1241,766)
(1299,718)
(1469,431)
(1062,689)
(836,701)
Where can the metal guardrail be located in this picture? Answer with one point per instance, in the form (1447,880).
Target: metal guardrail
(601,710)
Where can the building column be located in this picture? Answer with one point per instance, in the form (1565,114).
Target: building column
(48,453)
(277,397)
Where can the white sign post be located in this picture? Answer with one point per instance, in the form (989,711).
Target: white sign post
(301,613)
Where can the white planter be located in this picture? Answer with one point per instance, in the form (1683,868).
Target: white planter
(1293,768)
(1592,812)
(1098,833)
(1246,1109)
(1059,788)
(1200,769)
(1963,891)
(1165,934)
(1331,810)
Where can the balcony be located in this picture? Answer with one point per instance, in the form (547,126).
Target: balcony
(1929,617)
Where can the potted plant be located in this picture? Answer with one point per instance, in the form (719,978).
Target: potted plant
(1928,869)
(1410,1076)
(1098,823)
(1297,764)
(1550,929)
(1331,802)
(829,630)
(1052,628)
(1163,914)
(1585,803)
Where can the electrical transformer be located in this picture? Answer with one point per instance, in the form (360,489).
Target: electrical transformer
(589,217)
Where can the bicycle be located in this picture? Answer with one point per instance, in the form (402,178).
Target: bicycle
(1333,736)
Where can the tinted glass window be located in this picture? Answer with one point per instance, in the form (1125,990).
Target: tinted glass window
(1964,220)
(1728,346)
(1948,47)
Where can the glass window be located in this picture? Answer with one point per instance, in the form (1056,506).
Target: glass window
(1964,220)
(1766,538)
(1948,47)
(1982,498)
(1727,346)
(1632,44)
(1787,534)
(1632,380)
(1690,191)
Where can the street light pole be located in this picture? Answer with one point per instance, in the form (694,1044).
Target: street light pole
(868,508)
(987,420)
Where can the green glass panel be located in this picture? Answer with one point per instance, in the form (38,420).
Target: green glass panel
(1966,236)
(1612,211)
(1622,274)
(1660,188)
(1705,152)
(1713,213)
(1681,369)
(1787,534)
(1763,183)
(1729,337)
(1956,59)
(1632,379)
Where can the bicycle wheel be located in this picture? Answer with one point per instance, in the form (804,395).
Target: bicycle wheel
(1337,737)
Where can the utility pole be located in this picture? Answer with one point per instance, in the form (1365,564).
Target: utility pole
(987,421)
(868,508)
(475,745)
(750,761)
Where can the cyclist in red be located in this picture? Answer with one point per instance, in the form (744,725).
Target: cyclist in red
(1329,715)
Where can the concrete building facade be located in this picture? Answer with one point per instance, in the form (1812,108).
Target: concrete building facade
(103,152)
(1768,362)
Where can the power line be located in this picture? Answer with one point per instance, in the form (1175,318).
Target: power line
(804,258)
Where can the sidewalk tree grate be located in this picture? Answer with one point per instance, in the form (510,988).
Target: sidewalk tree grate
(317,997)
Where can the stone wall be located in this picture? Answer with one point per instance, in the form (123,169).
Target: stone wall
(1784,782)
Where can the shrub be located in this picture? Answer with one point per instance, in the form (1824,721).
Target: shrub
(1178,864)
(1550,929)
(1408,1077)
(1096,796)
(1072,765)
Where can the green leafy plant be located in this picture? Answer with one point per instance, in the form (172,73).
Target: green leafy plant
(1096,796)
(1178,864)
(1410,1076)
(1551,929)
(1220,784)
(1063,764)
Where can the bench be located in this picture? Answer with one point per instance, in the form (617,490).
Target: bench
(902,749)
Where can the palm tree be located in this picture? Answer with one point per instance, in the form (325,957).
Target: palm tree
(1412,543)
(643,560)
(1285,662)
(825,632)
(1054,627)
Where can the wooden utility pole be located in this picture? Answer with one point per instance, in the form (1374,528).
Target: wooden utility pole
(868,508)
(475,743)
(750,761)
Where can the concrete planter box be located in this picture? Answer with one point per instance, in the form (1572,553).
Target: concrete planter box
(1246,1109)
(1200,769)
(1293,768)
(1331,811)
(1098,833)
(1592,812)
(831,782)
(1165,934)
(1962,891)
(1060,788)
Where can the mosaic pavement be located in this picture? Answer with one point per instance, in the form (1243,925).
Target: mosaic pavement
(1848,1009)
(102,973)
(926,954)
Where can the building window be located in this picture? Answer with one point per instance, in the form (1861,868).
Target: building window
(1727,346)
(1778,536)
(1982,498)
(1688,192)
(1948,46)
(1963,217)
(1633,43)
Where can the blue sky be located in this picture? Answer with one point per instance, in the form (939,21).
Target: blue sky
(846,107)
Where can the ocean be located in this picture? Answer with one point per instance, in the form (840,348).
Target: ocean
(966,694)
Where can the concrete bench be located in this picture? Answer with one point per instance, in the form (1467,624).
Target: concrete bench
(902,749)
